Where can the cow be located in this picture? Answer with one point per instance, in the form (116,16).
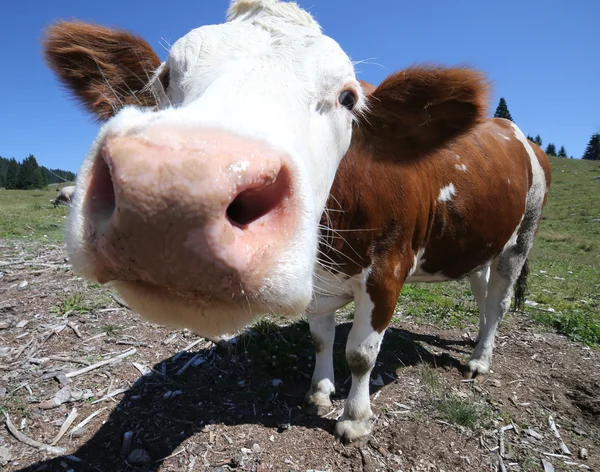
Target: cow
(64,196)
(201,199)
(467,209)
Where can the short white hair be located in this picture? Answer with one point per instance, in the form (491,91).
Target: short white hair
(259,10)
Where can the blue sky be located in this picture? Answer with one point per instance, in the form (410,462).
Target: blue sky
(541,55)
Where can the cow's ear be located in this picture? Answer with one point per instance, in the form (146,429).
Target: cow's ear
(103,68)
(419,109)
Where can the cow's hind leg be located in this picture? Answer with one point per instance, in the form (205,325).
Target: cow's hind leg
(322,330)
(479,286)
(504,272)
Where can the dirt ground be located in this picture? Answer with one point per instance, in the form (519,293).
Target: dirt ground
(163,405)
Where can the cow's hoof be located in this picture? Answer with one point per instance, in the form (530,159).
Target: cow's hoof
(353,432)
(317,404)
(475,367)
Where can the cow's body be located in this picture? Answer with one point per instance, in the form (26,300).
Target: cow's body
(469,209)
(64,196)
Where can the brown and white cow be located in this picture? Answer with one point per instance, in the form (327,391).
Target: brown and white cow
(466,208)
(64,196)
(201,198)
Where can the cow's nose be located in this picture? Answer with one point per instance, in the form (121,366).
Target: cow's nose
(169,207)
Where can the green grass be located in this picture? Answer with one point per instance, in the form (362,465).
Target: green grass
(449,406)
(567,248)
(110,329)
(430,378)
(79,303)
(28,214)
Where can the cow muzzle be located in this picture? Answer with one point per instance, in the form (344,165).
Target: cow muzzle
(193,211)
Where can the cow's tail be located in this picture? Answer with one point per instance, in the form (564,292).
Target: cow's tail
(521,286)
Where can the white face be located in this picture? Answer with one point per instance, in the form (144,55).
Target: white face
(259,107)
(267,79)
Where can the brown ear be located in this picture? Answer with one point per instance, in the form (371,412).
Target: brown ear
(105,69)
(416,110)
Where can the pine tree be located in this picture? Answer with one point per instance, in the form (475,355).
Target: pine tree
(29,174)
(562,152)
(551,149)
(12,174)
(43,177)
(592,151)
(502,110)
(530,138)
(538,140)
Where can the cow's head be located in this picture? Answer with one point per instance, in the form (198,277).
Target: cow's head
(201,196)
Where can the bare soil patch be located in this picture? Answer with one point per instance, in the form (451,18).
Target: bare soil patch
(237,405)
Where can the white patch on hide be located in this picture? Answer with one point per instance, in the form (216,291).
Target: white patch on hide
(446,193)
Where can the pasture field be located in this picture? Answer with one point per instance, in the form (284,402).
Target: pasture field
(168,400)
(29,215)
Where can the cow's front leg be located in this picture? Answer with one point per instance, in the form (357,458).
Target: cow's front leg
(322,330)
(374,308)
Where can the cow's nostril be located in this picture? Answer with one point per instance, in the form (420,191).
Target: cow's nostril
(101,193)
(255,202)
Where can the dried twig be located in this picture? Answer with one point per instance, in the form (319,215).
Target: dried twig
(548,467)
(73,326)
(99,335)
(30,442)
(108,310)
(65,426)
(118,301)
(88,419)
(87,369)
(69,359)
(142,368)
(556,456)
(21,351)
(502,431)
(187,348)
(501,465)
(132,343)
(563,446)
(172,455)
(114,393)
(187,364)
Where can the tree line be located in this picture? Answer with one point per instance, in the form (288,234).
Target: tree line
(592,151)
(28,174)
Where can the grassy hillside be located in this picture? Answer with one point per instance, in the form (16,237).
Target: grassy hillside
(28,214)
(568,250)
(564,280)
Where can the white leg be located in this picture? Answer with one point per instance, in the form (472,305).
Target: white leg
(361,352)
(322,330)
(497,304)
(479,286)
(503,274)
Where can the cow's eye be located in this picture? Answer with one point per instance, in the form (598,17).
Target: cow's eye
(347,99)
(165,78)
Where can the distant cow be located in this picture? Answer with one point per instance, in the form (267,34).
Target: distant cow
(202,197)
(65,196)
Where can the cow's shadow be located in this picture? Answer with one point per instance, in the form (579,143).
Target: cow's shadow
(233,387)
